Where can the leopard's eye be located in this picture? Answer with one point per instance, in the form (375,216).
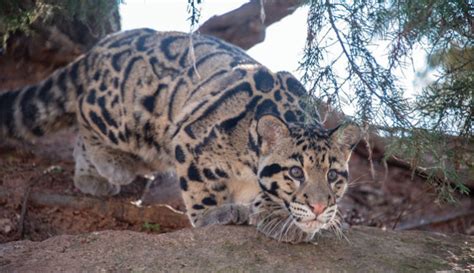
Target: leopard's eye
(297,173)
(332,175)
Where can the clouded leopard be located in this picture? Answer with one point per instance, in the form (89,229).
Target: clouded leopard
(235,133)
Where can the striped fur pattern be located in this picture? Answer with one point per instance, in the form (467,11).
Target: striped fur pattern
(231,130)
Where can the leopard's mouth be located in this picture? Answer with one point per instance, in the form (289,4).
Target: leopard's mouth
(311,226)
(322,222)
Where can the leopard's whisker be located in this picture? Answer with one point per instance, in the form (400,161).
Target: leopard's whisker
(287,222)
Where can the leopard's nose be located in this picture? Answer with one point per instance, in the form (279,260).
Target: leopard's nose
(318,208)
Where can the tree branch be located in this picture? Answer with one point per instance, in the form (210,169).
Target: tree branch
(243,26)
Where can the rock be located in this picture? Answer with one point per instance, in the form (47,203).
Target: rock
(242,249)
(5,225)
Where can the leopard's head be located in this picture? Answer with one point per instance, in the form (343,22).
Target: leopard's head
(303,172)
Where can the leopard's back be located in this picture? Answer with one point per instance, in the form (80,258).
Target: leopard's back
(148,87)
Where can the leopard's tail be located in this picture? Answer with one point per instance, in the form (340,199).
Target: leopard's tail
(48,106)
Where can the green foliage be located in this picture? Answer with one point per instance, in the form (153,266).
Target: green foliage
(150,227)
(194,12)
(21,15)
(433,132)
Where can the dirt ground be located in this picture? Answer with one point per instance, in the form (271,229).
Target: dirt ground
(38,199)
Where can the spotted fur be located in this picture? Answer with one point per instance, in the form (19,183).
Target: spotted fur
(230,129)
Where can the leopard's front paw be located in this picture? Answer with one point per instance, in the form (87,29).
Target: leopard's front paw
(224,215)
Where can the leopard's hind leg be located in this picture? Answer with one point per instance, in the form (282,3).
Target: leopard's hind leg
(117,166)
(86,177)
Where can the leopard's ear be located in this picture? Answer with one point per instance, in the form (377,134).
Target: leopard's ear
(346,135)
(271,129)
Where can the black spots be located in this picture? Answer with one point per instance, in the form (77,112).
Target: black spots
(30,111)
(209,174)
(257,204)
(228,96)
(198,207)
(218,187)
(193,173)
(97,75)
(302,117)
(149,103)
(119,58)
(179,154)
(79,90)
(221,173)
(190,132)
(205,142)
(183,183)
(332,159)
(128,132)
(160,70)
(318,148)
(105,113)
(140,44)
(290,116)
(44,92)
(184,57)
(181,83)
(154,64)
(7,101)
(81,112)
(230,124)
(112,137)
(74,73)
(252,144)
(148,135)
(264,81)
(91,97)
(122,137)
(289,97)
(295,87)
(165,47)
(98,122)
(266,107)
(270,170)
(116,83)
(209,201)
(115,101)
(273,188)
(103,84)
(61,82)
(126,73)
(277,95)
